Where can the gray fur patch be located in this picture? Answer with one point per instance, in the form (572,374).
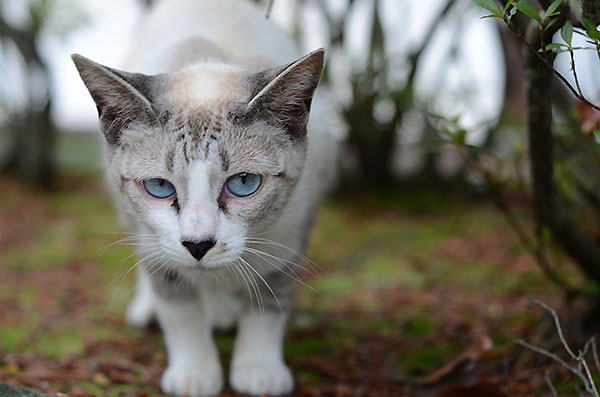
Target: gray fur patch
(170,160)
(170,285)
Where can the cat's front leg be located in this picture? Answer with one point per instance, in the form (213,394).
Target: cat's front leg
(257,366)
(193,362)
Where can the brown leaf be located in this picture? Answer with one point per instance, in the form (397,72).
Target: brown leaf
(478,389)
(459,372)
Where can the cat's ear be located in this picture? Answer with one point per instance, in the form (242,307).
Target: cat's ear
(286,97)
(121,97)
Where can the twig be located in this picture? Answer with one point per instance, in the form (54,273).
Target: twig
(591,196)
(549,383)
(587,378)
(553,356)
(536,249)
(595,353)
(269,8)
(519,230)
(551,67)
(557,325)
(592,388)
(574,70)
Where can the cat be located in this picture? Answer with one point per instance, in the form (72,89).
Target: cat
(213,164)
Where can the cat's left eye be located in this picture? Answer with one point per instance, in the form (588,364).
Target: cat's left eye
(159,188)
(243,184)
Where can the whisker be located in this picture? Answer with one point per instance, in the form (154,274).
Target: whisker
(264,282)
(254,286)
(124,276)
(122,262)
(237,267)
(283,261)
(256,240)
(293,276)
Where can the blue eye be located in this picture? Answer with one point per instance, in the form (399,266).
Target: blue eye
(243,184)
(159,188)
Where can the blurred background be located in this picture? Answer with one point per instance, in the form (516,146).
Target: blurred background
(455,204)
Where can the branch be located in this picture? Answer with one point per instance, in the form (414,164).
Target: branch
(269,8)
(416,55)
(549,383)
(586,377)
(575,71)
(513,221)
(532,46)
(529,245)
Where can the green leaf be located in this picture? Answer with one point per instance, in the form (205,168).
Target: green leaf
(493,16)
(552,8)
(459,137)
(552,22)
(567,32)
(528,9)
(594,35)
(589,25)
(489,5)
(553,46)
(511,13)
(508,4)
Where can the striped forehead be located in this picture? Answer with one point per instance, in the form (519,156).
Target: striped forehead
(203,86)
(194,134)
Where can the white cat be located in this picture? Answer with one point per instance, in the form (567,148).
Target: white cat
(211,162)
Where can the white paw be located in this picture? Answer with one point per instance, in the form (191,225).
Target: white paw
(192,382)
(262,378)
(140,313)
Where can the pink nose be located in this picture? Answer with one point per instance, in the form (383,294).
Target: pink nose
(198,250)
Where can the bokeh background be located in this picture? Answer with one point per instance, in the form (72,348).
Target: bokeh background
(424,259)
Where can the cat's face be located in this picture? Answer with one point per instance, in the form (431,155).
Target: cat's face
(206,157)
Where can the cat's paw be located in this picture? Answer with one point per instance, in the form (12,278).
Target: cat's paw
(198,381)
(262,378)
(140,313)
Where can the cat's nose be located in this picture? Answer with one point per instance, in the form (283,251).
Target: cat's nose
(198,250)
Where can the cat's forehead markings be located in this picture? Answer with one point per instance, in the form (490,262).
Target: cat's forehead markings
(205,85)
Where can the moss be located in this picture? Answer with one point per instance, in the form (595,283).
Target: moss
(224,342)
(90,387)
(418,327)
(308,346)
(11,337)
(421,361)
(334,285)
(58,342)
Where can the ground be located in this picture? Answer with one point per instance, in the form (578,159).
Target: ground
(412,293)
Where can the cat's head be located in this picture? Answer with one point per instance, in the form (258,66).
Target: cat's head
(207,156)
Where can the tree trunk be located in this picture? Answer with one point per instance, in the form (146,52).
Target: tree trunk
(31,130)
(549,211)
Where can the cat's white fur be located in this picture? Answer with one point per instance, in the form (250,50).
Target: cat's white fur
(227,36)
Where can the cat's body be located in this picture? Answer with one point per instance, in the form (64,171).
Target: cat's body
(212,165)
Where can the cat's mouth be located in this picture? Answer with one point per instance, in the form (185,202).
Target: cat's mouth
(217,256)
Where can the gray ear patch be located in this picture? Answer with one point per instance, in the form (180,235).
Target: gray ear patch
(121,98)
(284,95)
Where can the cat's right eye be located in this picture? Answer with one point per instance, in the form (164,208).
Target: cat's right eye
(159,188)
